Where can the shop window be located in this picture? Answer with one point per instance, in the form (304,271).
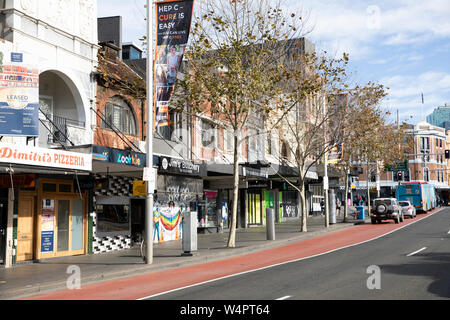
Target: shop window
(49,187)
(67,188)
(118,115)
(113,219)
(208,134)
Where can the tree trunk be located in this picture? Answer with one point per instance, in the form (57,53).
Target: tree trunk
(304,220)
(346,196)
(232,235)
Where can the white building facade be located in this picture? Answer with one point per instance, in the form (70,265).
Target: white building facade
(43,209)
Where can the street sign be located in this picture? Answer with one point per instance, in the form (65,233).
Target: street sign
(139,188)
(150,176)
(401,166)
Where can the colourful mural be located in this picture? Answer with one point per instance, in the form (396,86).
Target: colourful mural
(173,200)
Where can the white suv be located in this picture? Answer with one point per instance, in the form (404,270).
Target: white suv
(386,209)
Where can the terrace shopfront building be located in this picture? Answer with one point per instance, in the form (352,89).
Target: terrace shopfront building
(44,212)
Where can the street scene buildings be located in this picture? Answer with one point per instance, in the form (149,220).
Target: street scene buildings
(74,132)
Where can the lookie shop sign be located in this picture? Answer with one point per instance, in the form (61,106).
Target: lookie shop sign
(40,157)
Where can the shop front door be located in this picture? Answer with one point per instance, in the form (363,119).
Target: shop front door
(254,212)
(3,222)
(62,228)
(25,228)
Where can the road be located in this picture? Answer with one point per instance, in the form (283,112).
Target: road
(413,259)
(413,263)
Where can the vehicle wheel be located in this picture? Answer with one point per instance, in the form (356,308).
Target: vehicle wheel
(374,221)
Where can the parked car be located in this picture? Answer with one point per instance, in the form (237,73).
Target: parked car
(386,209)
(408,209)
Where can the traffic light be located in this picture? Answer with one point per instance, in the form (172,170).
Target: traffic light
(400,176)
(447,154)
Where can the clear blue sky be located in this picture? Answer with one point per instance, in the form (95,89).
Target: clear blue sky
(402,44)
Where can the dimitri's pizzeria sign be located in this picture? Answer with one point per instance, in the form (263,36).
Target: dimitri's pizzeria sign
(18,154)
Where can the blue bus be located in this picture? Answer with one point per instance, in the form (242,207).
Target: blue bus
(421,195)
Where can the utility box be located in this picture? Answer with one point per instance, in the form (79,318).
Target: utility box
(189,233)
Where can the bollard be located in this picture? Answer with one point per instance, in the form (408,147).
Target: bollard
(270,221)
(332,202)
(189,233)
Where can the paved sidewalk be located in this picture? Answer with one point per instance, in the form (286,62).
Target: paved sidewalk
(29,279)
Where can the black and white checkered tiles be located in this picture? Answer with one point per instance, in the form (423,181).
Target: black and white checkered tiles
(119,186)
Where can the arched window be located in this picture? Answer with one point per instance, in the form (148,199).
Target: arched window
(118,115)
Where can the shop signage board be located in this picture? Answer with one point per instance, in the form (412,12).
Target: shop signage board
(19,93)
(255,173)
(179,166)
(105,154)
(139,188)
(41,157)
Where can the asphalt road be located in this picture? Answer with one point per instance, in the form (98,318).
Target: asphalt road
(413,263)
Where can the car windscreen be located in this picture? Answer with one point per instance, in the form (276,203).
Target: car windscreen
(404,204)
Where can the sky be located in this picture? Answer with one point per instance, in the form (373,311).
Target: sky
(402,44)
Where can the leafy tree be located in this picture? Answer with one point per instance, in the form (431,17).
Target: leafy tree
(235,63)
(310,123)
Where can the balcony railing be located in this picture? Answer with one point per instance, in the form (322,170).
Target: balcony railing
(58,128)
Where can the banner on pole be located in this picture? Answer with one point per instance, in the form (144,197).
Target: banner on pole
(173,23)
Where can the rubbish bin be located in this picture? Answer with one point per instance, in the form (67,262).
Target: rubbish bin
(360,212)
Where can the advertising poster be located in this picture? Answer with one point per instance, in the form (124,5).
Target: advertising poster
(19,94)
(173,23)
(47,225)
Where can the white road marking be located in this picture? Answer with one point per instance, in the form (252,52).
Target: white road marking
(413,253)
(283,298)
(286,262)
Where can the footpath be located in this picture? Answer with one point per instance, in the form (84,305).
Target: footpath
(49,275)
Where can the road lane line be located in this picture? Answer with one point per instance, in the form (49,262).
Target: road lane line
(283,298)
(287,262)
(415,252)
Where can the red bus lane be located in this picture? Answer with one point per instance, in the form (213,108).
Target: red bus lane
(141,286)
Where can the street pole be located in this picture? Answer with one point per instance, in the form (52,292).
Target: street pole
(325,164)
(150,192)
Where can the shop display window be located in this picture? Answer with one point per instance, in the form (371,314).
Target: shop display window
(113,219)
(207,213)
